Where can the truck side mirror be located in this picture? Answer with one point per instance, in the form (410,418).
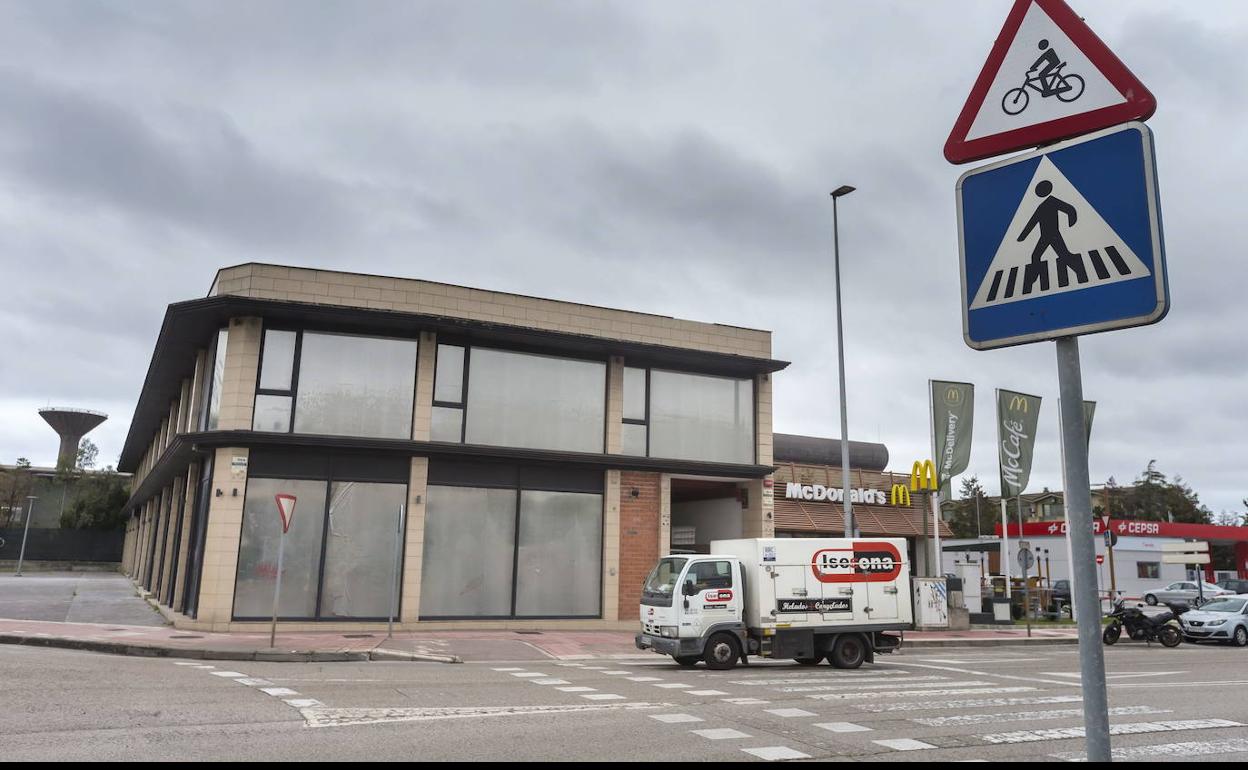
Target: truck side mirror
(689,589)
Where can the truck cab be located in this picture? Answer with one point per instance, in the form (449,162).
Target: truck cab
(805,599)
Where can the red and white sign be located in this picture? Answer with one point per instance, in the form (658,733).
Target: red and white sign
(1137,529)
(722,595)
(865,562)
(1047,77)
(285,509)
(1100,558)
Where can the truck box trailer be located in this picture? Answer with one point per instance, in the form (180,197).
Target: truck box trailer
(806,599)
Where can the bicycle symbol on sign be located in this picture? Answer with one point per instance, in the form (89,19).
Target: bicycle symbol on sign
(1046,78)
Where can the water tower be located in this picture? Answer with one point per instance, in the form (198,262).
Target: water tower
(71,425)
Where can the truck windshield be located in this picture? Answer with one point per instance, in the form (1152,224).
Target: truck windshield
(661,584)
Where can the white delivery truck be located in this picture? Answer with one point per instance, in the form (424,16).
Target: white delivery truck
(802,598)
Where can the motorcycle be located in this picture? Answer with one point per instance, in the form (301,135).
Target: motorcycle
(1162,627)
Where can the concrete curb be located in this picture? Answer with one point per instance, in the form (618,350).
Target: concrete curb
(1034,641)
(262,656)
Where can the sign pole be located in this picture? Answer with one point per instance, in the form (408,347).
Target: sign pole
(21,556)
(1022,564)
(1005,547)
(394,583)
(1083,568)
(1113,576)
(277,588)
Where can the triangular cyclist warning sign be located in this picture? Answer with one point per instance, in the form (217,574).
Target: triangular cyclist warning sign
(1055,243)
(1048,77)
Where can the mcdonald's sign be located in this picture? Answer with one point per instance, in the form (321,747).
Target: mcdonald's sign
(1019,404)
(900,495)
(923,476)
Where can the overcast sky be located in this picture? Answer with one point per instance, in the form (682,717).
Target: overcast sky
(669,157)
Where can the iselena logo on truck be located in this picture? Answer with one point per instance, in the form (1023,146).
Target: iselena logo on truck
(721,595)
(865,562)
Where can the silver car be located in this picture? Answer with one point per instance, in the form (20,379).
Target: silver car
(1221,620)
(1184,592)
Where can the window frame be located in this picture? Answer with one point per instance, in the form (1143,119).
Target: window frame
(753,380)
(645,421)
(293,392)
(329,475)
(465,372)
(517,486)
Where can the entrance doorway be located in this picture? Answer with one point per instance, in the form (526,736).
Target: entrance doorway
(705,510)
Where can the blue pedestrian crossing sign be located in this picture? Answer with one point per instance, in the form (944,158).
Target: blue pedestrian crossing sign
(1062,241)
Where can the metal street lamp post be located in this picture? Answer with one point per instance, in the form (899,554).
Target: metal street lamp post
(840,351)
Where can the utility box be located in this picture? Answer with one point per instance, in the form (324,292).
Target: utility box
(931,604)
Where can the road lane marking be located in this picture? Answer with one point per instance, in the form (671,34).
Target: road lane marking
(1133,675)
(577,688)
(968,703)
(890,686)
(528,675)
(675,719)
(720,734)
(1131,728)
(644,679)
(790,713)
(983,673)
(1153,685)
(746,701)
(602,696)
(673,686)
(1030,716)
(617,673)
(548,681)
(509,669)
(919,693)
(842,727)
(860,676)
(1184,750)
(903,744)
(252,681)
(278,692)
(333,717)
(228,674)
(303,703)
(705,693)
(775,753)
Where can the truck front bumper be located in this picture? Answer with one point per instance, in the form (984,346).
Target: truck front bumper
(668,646)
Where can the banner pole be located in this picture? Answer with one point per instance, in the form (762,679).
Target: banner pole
(1083,569)
(1005,548)
(1022,565)
(277,587)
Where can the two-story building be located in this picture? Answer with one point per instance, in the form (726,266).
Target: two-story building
(455,455)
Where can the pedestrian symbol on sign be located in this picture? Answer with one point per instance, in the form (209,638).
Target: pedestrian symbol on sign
(1063,224)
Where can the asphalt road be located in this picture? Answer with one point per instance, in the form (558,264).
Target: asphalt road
(995,704)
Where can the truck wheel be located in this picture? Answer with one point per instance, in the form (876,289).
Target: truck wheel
(849,651)
(722,652)
(688,661)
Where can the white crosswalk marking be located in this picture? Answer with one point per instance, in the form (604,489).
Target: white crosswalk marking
(1185,750)
(889,686)
(516,669)
(720,734)
(228,674)
(278,692)
(790,713)
(253,681)
(577,689)
(1132,728)
(919,693)
(705,693)
(673,686)
(746,701)
(548,681)
(903,744)
(775,753)
(673,719)
(928,705)
(842,727)
(528,674)
(602,696)
(644,679)
(1030,716)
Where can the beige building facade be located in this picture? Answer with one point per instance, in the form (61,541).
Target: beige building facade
(456,457)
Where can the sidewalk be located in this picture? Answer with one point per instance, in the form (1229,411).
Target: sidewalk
(441,647)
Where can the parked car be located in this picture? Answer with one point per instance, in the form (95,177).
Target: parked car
(1234,585)
(1185,591)
(1059,596)
(1221,620)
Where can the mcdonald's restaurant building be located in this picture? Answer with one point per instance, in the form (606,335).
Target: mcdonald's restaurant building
(456,456)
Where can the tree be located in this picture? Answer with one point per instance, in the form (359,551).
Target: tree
(1153,498)
(15,484)
(88,453)
(100,502)
(963,520)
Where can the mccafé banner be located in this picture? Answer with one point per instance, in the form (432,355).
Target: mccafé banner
(1018,415)
(953,412)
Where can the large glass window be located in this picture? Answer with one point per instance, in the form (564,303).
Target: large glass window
(355,386)
(361,539)
(559,563)
(701,417)
(539,402)
(448,395)
(469,548)
(278,365)
(257,550)
(634,433)
(526,542)
(212,417)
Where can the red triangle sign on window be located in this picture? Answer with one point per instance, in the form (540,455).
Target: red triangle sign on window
(1048,77)
(285,509)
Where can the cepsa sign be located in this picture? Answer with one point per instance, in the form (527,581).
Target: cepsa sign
(864,563)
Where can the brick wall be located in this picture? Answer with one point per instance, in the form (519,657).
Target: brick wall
(639,536)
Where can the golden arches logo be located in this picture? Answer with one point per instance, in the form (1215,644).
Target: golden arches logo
(1020,404)
(900,495)
(923,476)
(953,397)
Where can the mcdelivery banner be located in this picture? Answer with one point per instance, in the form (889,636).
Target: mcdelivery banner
(1018,414)
(953,413)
